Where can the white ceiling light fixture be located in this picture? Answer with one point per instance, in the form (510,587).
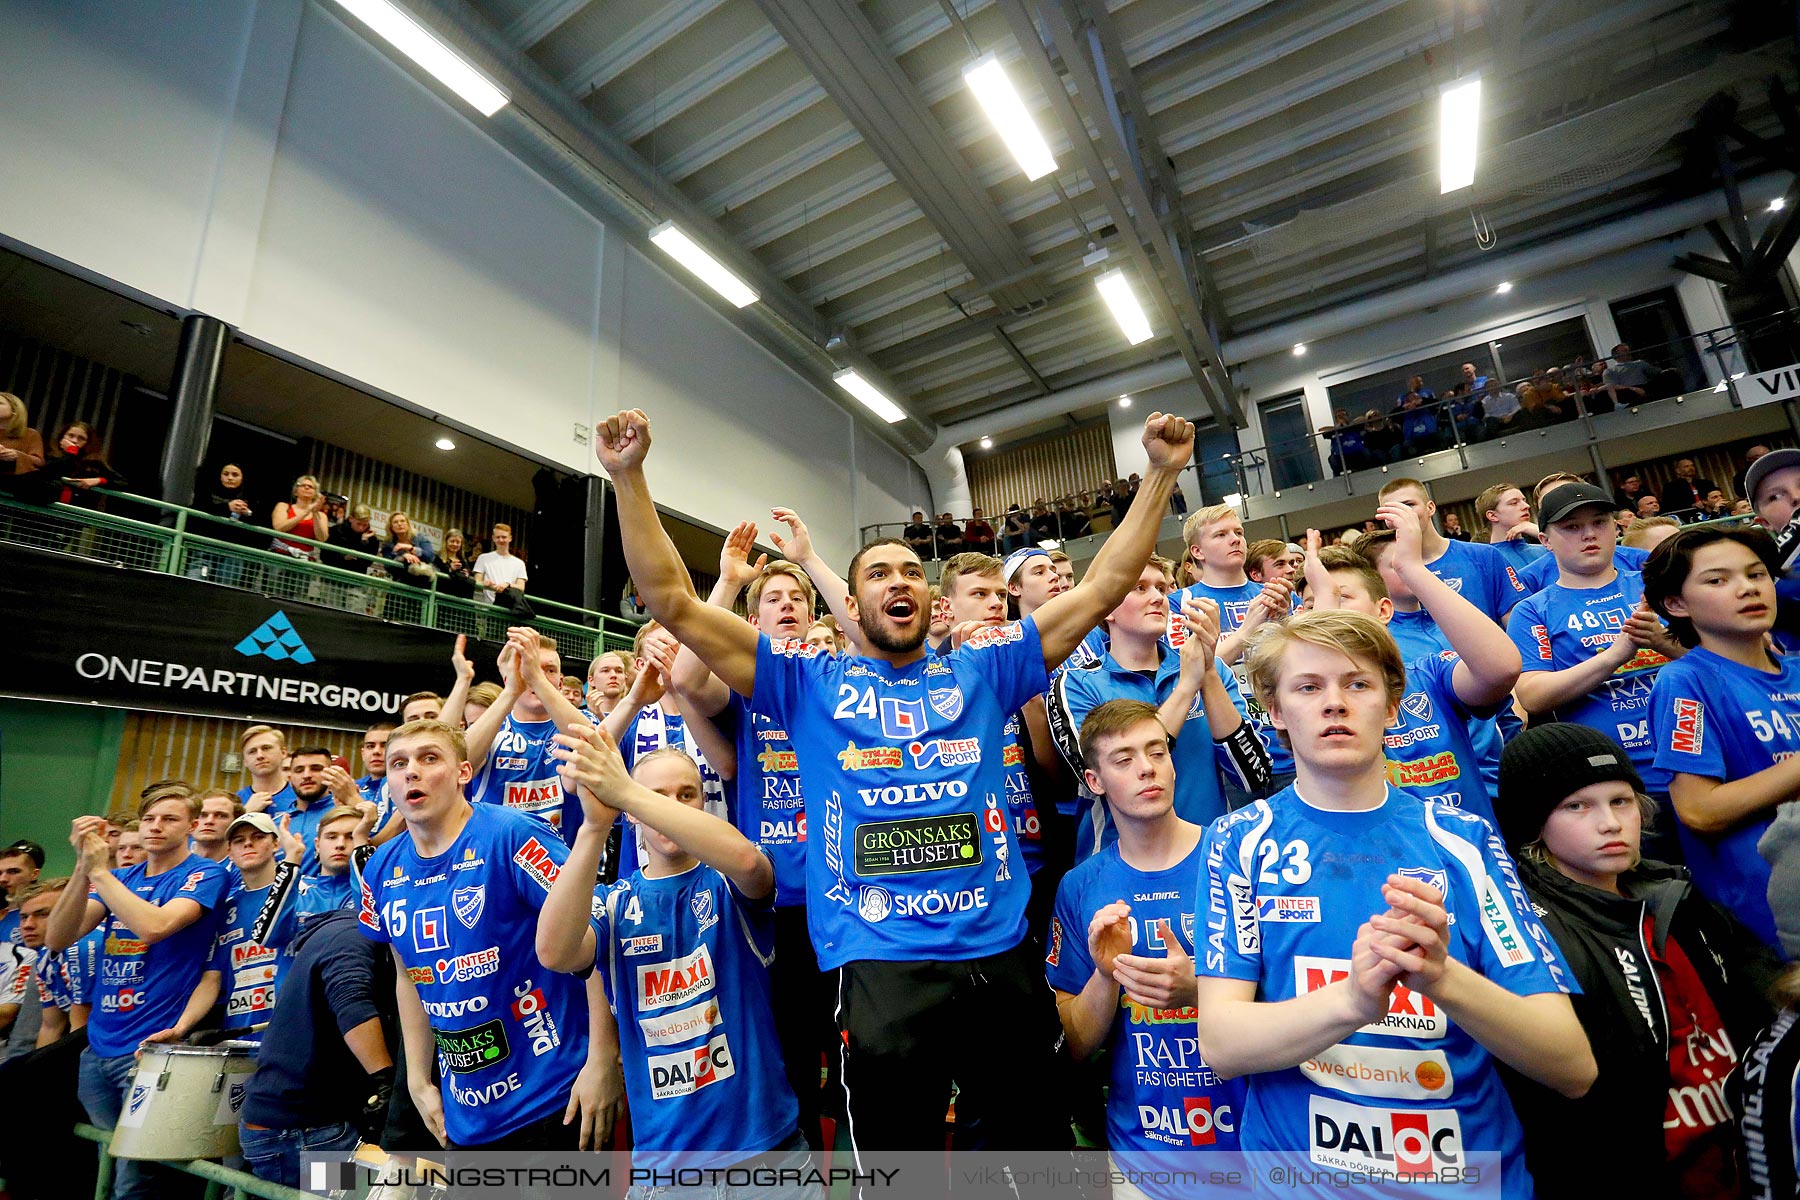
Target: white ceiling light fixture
(1299,349)
(1007,113)
(399,30)
(1124,401)
(1115,289)
(1505,287)
(709,270)
(1050,544)
(1232,498)
(1777,204)
(987,443)
(1459,117)
(445,443)
(872,397)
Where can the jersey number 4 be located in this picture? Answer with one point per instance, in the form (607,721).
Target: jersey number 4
(1296,869)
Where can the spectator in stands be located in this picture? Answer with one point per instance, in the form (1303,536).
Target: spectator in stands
(1572,809)
(571,687)
(1648,506)
(262,747)
(1016,531)
(1348,449)
(978,535)
(1267,559)
(1419,429)
(456,575)
(372,786)
(304,517)
(1178,501)
(1648,533)
(1629,380)
(74,467)
(18,871)
(1510,529)
(1381,437)
(1535,412)
(500,572)
(1629,491)
(1121,501)
(1714,506)
(918,535)
(1465,412)
(160,918)
(1071,520)
(1473,378)
(354,534)
(1043,524)
(21,447)
(128,851)
(1415,386)
(481,698)
(1750,456)
(217,811)
(409,554)
(826,633)
(1453,528)
(314,798)
(1687,490)
(325,1073)
(1501,407)
(1742,508)
(949,536)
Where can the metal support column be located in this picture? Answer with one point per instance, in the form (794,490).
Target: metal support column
(593,544)
(195,385)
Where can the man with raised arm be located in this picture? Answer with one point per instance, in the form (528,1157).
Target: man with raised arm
(915,891)
(510,742)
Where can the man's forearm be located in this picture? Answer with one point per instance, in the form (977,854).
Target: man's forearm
(367,1043)
(651,557)
(63,929)
(1486,651)
(1087,1014)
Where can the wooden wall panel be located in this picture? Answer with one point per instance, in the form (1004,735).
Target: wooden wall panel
(1059,466)
(433,506)
(174,746)
(59,387)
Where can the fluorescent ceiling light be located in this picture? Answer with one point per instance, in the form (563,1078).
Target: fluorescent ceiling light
(1505,287)
(684,250)
(1050,544)
(445,444)
(416,42)
(1459,115)
(1115,289)
(1009,117)
(872,397)
(1124,401)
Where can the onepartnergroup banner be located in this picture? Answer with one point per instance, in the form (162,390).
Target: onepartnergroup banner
(1405,1165)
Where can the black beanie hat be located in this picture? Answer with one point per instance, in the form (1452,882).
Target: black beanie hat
(1541,767)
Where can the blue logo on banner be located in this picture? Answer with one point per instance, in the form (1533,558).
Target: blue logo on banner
(275,638)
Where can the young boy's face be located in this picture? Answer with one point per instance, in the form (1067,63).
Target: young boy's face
(1353,594)
(1134,772)
(1728,592)
(1333,707)
(1778,497)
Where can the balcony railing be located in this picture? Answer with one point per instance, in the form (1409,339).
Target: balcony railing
(198,545)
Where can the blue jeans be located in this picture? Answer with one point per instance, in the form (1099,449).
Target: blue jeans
(792,1154)
(274,1154)
(102,1088)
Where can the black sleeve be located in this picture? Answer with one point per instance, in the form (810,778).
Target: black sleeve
(351,990)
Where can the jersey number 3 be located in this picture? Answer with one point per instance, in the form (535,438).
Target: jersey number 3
(1297,868)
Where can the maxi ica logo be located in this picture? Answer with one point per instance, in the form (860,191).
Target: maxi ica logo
(275,638)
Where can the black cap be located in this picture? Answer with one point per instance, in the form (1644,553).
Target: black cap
(1565,498)
(1765,466)
(1541,767)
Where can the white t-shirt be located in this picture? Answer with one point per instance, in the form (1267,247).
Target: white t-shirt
(500,570)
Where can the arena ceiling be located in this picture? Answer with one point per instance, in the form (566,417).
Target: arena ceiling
(836,144)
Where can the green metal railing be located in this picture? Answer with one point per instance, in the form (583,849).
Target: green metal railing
(184,541)
(219,1179)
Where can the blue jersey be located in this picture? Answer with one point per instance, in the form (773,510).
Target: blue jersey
(1021,809)
(1234,602)
(685,959)
(1287,886)
(906,793)
(1199,761)
(375,792)
(249,971)
(280,802)
(655,728)
(769,809)
(1541,573)
(1417,635)
(1480,574)
(520,774)
(67,979)
(1429,750)
(1720,720)
(1163,1096)
(1563,627)
(9,928)
(293,902)
(304,823)
(143,987)
(510,1034)
(1519,553)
